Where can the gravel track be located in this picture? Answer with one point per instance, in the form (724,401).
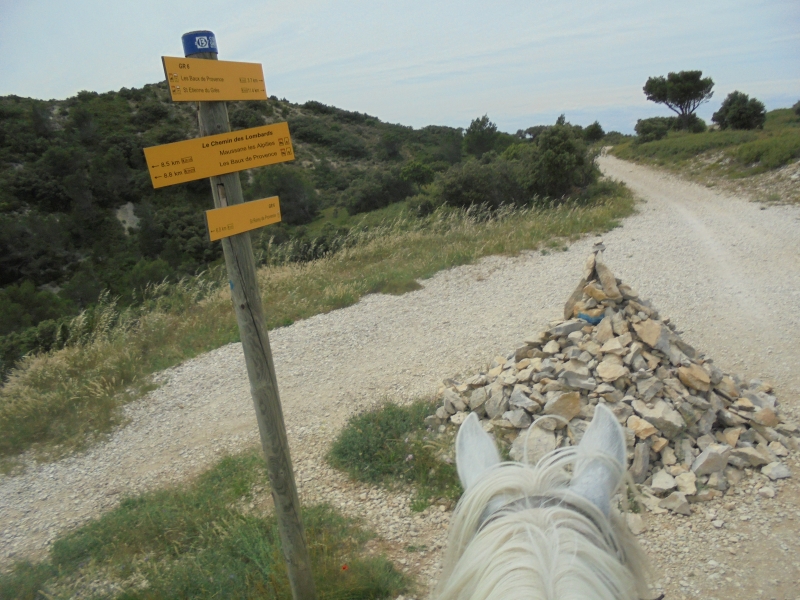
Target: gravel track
(727,271)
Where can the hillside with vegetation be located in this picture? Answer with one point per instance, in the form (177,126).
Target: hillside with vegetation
(104,280)
(80,221)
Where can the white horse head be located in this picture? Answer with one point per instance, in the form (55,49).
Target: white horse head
(525,531)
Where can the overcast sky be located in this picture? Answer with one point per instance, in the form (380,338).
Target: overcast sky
(420,63)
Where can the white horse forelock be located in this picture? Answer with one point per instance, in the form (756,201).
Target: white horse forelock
(567,549)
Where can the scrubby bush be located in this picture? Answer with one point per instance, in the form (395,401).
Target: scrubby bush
(594,132)
(614,137)
(491,183)
(739,111)
(389,145)
(563,162)
(298,198)
(653,129)
(552,166)
(417,173)
(245,117)
(324,133)
(379,189)
(656,128)
(480,136)
(796,108)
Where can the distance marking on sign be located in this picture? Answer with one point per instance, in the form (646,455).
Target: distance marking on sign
(212,155)
(192,79)
(230,220)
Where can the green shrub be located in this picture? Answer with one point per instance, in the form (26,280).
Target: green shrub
(298,198)
(653,129)
(563,162)
(480,136)
(738,111)
(473,182)
(245,117)
(379,189)
(594,132)
(796,108)
(391,444)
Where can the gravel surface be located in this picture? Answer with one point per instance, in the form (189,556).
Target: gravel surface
(725,270)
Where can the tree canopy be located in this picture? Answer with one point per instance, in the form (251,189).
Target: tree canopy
(480,136)
(739,111)
(681,92)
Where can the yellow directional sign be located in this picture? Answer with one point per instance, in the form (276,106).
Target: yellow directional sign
(230,220)
(193,79)
(203,157)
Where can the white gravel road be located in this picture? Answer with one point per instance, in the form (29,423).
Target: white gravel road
(727,271)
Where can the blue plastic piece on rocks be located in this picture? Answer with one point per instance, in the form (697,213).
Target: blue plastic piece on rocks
(590,320)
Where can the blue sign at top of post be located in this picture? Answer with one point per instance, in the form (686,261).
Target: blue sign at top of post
(199,41)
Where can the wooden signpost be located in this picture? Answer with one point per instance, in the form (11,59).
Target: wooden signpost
(236,220)
(192,79)
(232,220)
(212,155)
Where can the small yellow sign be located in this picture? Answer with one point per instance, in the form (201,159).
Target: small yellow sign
(212,155)
(230,220)
(192,79)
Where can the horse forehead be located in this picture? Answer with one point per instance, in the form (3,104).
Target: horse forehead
(499,507)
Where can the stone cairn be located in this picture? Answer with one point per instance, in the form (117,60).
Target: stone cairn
(691,429)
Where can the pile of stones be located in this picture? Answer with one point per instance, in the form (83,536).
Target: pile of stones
(691,429)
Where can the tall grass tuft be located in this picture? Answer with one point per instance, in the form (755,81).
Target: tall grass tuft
(64,399)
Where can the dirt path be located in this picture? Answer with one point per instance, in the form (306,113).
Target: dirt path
(725,270)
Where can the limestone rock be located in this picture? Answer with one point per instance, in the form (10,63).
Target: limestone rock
(642,428)
(641,462)
(750,456)
(604,331)
(566,405)
(776,470)
(711,460)
(695,377)
(677,503)
(666,419)
(497,404)
(652,333)
(536,441)
(610,371)
(663,482)
(453,402)
(635,523)
(766,416)
(567,327)
(606,277)
(687,483)
(518,418)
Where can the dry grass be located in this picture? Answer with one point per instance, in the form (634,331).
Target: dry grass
(59,401)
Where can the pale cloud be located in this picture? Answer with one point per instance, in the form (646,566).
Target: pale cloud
(416,63)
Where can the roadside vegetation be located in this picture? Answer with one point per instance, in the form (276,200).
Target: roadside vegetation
(392,445)
(744,142)
(62,399)
(730,152)
(213,538)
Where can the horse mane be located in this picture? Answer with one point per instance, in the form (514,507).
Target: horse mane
(567,549)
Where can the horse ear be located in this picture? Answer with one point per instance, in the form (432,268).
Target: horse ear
(475,451)
(600,465)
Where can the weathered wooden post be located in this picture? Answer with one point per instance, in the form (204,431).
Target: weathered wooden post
(227,191)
